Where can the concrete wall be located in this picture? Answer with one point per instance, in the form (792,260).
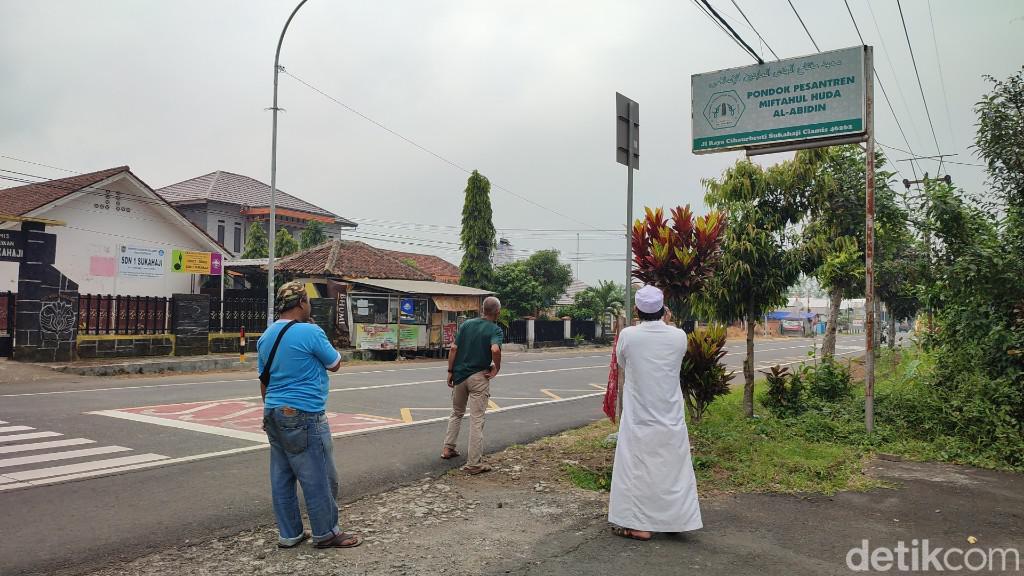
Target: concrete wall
(125,346)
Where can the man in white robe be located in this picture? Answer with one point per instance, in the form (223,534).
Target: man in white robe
(653,485)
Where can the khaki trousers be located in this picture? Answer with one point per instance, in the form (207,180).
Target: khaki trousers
(476,391)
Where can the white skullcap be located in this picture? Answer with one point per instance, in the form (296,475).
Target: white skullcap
(649,299)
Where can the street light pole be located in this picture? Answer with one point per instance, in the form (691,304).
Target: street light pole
(273,175)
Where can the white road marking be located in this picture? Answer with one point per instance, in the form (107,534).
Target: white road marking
(67,455)
(244,380)
(161,461)
(6,429)
(184,425)
(45,445)
(83,467)
(28,436)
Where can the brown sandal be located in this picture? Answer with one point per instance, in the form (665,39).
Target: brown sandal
(629,533)
(474,470)
(342,540)
(449,453)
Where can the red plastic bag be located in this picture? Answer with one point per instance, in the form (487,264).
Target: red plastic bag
(611,393)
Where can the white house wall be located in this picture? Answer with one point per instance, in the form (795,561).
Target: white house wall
(95,231)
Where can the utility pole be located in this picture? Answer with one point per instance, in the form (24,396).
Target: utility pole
(927,228)
(577,255)
(273,174)
(869,249)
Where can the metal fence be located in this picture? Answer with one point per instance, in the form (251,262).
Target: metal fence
(515,332)
(130,315)
(249,312)
(585,328)
(548,331)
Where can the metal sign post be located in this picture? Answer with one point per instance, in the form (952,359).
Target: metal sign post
(814,101)
(627,151)
(869,249)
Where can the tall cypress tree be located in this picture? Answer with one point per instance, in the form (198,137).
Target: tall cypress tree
(478,235)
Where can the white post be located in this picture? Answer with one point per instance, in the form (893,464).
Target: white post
(529,332)
(567,328)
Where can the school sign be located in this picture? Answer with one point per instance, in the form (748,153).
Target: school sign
(818,97)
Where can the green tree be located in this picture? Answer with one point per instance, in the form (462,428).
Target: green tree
(256,245)
(478,235)
(518,291)
(312,235)
(284,244)
(833,181)
(759,262)
(553,276)
(594,302)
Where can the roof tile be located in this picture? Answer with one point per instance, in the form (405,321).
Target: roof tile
(231,188)
(20,200)
(349,259)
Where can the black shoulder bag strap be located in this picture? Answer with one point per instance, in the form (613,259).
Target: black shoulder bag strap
(265,375)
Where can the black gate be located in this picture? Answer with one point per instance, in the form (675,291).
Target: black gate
(7,316)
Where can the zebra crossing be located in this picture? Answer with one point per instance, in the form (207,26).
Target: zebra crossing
(31,457)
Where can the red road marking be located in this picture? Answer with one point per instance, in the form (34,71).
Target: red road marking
(248,416)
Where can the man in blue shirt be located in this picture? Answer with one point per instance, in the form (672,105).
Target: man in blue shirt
(294,399)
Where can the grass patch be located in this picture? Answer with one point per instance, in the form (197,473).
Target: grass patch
(582,477)
(822,450)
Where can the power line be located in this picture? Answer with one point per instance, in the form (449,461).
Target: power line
(942,79)
(429,151)
(763,41)
(892,70)
(37,163)
(882,86)
(920,86)
(804,25)
(715,16)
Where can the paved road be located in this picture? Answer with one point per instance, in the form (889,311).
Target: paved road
(93,469)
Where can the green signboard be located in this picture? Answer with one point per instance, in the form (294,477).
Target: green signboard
(816,97)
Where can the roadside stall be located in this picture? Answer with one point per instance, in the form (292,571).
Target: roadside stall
(426,314)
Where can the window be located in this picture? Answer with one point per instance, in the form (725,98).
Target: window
(238,239)
(220,232)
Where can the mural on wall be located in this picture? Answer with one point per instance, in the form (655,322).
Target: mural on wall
(56,321)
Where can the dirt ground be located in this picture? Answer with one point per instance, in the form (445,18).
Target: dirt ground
(525,517)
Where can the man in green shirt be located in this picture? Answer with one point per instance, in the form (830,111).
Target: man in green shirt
(474,359)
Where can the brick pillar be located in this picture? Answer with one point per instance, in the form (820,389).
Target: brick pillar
(47,308)
(190,324)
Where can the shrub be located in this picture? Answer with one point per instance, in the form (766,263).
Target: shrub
(784,396)
(828,382)
(703,376)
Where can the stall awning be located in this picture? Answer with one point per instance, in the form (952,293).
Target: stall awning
(425,287)
(457,303)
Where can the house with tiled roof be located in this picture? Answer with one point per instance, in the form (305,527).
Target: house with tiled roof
(380,290)
(439,269)
(107,215)
(348,259)
(225,204)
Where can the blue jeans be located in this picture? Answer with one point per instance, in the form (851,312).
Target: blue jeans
(301,449)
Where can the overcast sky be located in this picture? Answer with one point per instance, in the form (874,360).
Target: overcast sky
(523,91)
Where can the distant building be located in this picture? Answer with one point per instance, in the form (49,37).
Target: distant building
(503,254)
(569,297)
(224,205)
